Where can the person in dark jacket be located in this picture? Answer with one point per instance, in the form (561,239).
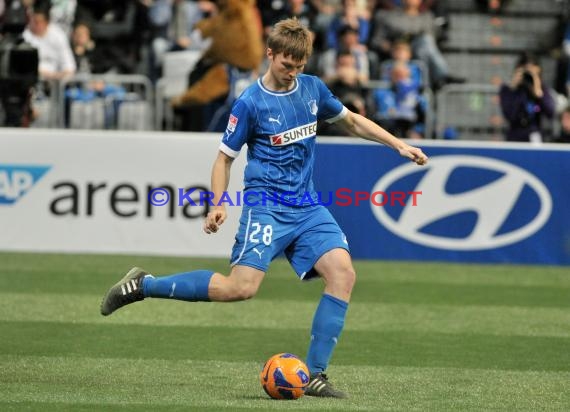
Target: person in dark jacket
(525,101)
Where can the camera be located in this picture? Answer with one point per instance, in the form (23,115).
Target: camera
(18,66)
(528,80)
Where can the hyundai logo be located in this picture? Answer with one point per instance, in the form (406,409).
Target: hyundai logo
(493,203)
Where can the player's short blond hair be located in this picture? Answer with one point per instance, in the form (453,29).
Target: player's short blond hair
(291,38)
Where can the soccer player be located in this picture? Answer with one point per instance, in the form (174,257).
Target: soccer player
(276,117)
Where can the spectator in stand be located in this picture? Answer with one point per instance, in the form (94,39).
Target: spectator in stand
(437,7)
(268,9)
(173,23)
(491,6)
(326,12)
(91,59)
(347,82)
(348,41)
(55,56)
(525,101)
(401,52)
(306,14)
(272,12)
(112,26)
(347,86)
(400,108)
(421,29)
(116,17)
(300,9)
(351,15)
(564,136)
(83,48)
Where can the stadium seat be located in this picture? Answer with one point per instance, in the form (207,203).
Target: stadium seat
(87,114)
(43,109)
(515,7)
(175,72)
(134,115)
(502,34)
(469,111)
(493,68)
(105,103)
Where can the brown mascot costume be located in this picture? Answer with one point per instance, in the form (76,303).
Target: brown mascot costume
(236,43)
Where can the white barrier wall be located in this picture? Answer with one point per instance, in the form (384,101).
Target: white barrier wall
(484,202)
(78,191)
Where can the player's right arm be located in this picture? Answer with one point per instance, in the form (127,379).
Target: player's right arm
(220,181)
(235,136)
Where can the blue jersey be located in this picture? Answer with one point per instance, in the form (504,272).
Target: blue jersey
(279,129)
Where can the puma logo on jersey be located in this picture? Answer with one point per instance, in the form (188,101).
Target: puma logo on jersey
(258,252)
(294,135)
(274,120)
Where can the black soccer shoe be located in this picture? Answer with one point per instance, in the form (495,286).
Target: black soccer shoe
(125,291)
(319,385)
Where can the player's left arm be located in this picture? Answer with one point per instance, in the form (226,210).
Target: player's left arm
(359,125)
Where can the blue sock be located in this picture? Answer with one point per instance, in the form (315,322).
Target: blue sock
(190,286)
(327,325)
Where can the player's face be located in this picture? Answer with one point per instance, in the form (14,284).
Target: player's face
(283,69)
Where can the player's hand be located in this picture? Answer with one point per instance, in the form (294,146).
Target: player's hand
(214,220)
(415,154)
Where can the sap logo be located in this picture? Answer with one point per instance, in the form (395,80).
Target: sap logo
(16,181)
(500,204)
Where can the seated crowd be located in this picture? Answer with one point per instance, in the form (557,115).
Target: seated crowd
(381,58)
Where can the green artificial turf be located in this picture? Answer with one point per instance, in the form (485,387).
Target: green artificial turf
(418,336)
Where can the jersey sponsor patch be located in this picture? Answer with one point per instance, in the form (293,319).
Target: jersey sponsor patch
(294,135)
(232,123)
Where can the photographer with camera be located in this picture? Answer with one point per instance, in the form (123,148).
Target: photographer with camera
(18,68)
(525,101)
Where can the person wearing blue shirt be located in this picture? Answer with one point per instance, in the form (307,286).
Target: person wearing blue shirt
(277,119)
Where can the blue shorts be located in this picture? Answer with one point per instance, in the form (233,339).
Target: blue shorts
(304,236)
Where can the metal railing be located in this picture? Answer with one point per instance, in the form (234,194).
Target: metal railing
(56,111)
(469,111)
(114,96)
(44,103)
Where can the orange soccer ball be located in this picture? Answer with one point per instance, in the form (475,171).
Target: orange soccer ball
(284,376)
